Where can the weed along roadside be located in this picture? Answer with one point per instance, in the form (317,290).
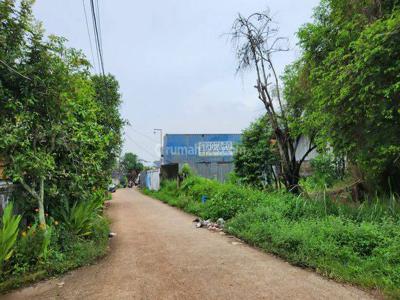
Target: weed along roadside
(357,245)
(78,241)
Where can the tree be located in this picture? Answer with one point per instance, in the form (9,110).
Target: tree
(109,99)
(43,122)
(256,155)
(28,139)
(256,41)
(351,58)
(56,138)
(131,166)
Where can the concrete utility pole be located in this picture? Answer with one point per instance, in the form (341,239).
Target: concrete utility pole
(161,142)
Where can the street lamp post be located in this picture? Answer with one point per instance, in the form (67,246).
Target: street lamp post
(161,142)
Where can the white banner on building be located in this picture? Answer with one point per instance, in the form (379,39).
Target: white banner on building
(215,148)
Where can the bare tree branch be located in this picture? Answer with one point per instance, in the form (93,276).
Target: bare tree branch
(255,39)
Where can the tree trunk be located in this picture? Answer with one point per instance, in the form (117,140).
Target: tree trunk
(293,179)
(39,197)
(42,218)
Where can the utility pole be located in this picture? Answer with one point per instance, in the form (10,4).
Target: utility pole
(161,142)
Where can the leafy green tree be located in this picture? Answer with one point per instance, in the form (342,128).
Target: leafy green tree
(298,96)
(28,139)
(58,138)
(109,99)
(256,155)
(351,63)
(131,165)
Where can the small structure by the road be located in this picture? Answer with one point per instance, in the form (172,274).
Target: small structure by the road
(209,155)
(6,188)
(150,179)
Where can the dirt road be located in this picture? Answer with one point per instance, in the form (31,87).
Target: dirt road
(157,254)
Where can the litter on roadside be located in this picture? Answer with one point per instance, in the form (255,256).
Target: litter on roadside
(214,226)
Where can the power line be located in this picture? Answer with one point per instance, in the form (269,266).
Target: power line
(145,135)
(100,38)
(140,132)
(95,42)
(97,36)
(88,31)
(99,20)
(141,147)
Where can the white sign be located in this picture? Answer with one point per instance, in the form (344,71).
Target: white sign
(215,148)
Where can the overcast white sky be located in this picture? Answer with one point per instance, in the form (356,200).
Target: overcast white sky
(175,70)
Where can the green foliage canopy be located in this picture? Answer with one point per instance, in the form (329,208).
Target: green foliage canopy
(255,155)
(350,66)
(60,126)
(131,165)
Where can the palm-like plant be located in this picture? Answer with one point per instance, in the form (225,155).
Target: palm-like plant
(8,233)
(79,218)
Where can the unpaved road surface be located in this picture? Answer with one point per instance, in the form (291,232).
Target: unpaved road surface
(157,254)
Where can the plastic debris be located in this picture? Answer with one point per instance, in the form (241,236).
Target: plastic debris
(111,234)
(213,226)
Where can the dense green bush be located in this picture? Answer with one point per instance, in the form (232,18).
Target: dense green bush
(228,201)
(8,234)
(327,169)
(41,251)
(186,171)
(79,219)
(354,243)
(33,245)
(364,253)
(256,154)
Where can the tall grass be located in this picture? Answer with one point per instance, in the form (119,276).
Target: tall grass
(356,243)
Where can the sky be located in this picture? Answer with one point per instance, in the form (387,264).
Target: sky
(174,61)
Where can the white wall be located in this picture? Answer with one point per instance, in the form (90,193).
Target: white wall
(302,149)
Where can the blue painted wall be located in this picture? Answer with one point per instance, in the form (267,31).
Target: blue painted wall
(210,155)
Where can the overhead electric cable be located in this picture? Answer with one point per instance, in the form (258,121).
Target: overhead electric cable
(97,38)
(99,21)
(141,147)
(145,135)
(90,38)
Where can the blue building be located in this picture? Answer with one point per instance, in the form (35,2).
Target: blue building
(209,155)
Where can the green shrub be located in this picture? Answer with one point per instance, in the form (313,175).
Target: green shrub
(33,245)
(363,253)
(227,202)
(359,244)
(196,187)
(8,234)
(169,186)
(186,171)
(326,170)
(79,219)
(40,254)
(100,229)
